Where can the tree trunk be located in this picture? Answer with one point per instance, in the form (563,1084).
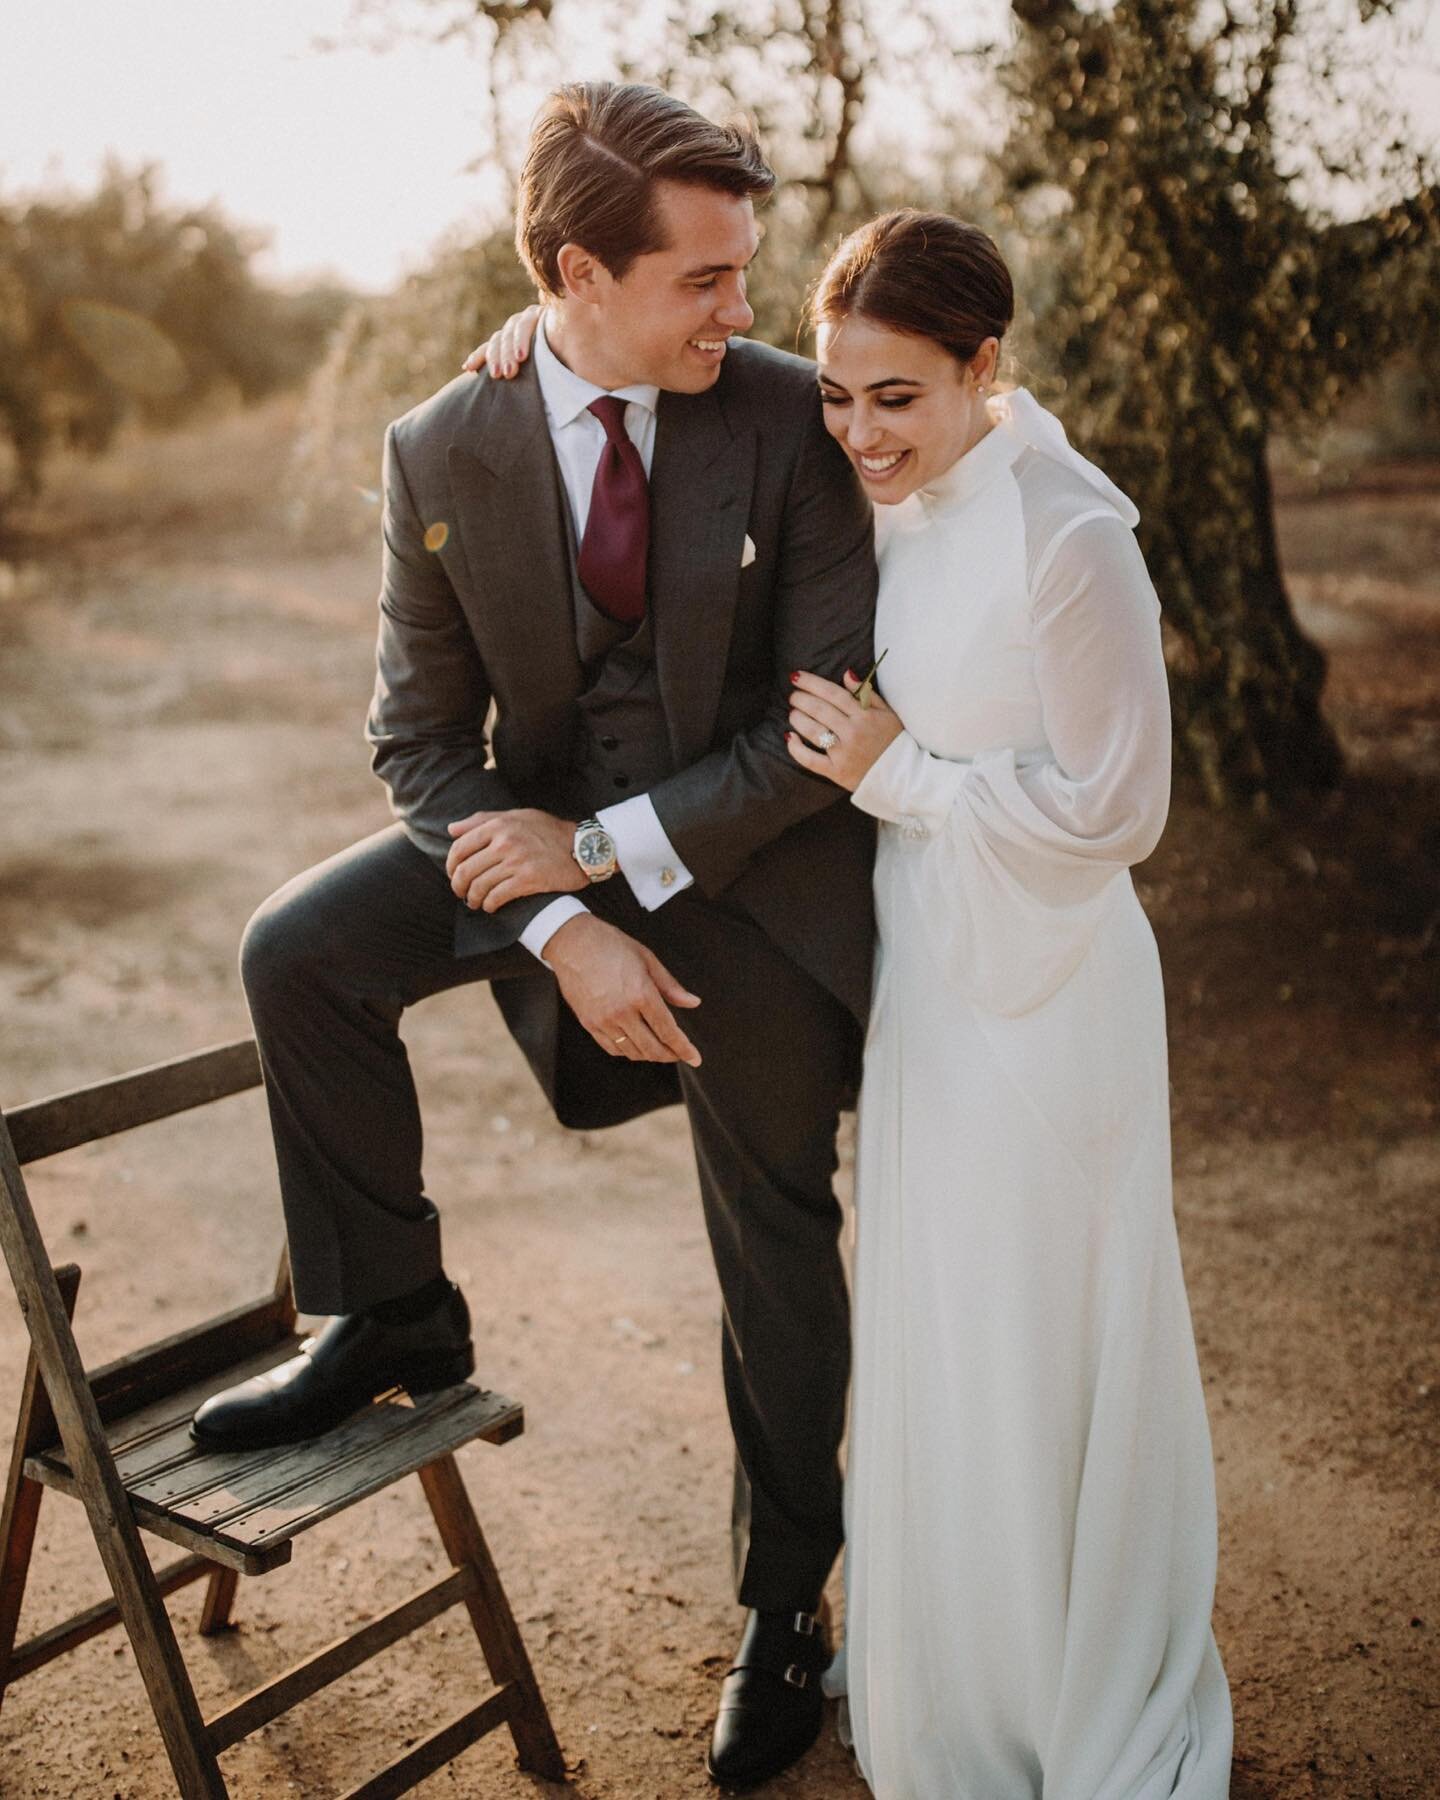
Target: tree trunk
(1246,680)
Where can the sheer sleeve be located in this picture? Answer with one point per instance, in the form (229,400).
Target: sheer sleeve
(1019,856)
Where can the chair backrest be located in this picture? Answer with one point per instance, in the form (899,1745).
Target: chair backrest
(64,1121)
(81,1403)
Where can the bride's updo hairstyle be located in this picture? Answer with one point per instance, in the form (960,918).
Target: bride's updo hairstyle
(922,273)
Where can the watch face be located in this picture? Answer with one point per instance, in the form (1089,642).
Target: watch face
(595,850)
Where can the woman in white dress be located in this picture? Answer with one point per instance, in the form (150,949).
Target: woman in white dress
(1030,1496)
(1030,1506)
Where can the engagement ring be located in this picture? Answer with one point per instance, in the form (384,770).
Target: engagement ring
(827,740)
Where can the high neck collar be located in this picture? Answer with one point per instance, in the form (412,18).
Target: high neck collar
(979,466)
(1018,423)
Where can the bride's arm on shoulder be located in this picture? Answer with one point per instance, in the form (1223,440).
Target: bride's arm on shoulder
(504,350)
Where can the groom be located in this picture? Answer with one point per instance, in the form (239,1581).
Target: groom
(596,581)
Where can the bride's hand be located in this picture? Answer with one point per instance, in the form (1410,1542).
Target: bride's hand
(504,350)
(861,735)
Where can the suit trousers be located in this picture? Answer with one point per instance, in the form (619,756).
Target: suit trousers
(330,963)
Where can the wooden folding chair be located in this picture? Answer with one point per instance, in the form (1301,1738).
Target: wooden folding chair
(117,1439)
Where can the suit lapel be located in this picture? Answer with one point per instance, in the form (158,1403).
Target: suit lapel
(700,484)
(508,505)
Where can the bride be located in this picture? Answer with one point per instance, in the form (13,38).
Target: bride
(1030,1509)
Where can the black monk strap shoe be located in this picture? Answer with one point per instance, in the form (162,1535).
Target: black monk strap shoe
(350,1361)
(770,1702)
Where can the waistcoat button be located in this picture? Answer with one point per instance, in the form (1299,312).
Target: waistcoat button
(609,743)
(622,781)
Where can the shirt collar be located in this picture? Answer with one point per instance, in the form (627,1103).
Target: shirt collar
(566,395)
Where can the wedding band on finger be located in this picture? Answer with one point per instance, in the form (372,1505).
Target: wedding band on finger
(622,1039)
(826,739)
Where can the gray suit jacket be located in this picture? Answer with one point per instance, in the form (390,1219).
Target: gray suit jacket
(485,618)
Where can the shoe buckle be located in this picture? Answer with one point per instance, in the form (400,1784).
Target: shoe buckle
(797,1677)
(805,1624)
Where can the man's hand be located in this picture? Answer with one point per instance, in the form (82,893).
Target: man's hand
(619,992)
(500,856)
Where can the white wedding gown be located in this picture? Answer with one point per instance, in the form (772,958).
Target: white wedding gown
(1030,1496)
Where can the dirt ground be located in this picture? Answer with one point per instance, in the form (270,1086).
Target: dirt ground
(182,682)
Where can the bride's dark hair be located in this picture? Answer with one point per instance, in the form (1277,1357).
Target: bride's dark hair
(923,273)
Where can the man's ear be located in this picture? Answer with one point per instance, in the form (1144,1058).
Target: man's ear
(582,274)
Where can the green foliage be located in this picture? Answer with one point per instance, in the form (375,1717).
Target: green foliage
(115,306)
(1197,306)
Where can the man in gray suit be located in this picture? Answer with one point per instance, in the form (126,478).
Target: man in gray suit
(597,580)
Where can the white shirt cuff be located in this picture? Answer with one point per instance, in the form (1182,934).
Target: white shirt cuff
(538,933)
(647,857)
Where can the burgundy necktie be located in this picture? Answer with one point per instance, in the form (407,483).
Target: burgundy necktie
(617,531)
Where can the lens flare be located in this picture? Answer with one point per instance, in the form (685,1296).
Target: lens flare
(126,348)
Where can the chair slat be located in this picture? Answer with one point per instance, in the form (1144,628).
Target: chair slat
(248,1504)
(45,1127)
(144,1376)
(45,1646)
(440,1747)
(337,1658)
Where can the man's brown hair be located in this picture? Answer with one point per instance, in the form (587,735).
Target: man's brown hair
(597,150)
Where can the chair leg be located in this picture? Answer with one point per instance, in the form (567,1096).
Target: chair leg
(60,1377)
(219,1597)
(21,1510)
(17,1540)
(490,1614)
(157,1656)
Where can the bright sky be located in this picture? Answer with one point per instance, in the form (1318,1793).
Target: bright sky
(355,162)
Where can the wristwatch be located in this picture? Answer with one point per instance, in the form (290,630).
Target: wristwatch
(595,850)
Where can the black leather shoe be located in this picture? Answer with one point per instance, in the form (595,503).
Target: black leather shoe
(770,1703)
(343,1367)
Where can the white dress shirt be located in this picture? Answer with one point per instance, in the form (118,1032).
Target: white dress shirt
(647,857)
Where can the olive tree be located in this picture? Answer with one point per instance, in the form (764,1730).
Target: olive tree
(1201,299)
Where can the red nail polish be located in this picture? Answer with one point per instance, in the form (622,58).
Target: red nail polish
(794,675)
(788,736)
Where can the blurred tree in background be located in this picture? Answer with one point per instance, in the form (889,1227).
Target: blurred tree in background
(387,354)
(801,69)
(115,306)
(1200,301)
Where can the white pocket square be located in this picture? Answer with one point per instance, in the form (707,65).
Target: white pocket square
(747,555)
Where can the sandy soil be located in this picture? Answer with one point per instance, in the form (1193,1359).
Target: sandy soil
(181,689)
